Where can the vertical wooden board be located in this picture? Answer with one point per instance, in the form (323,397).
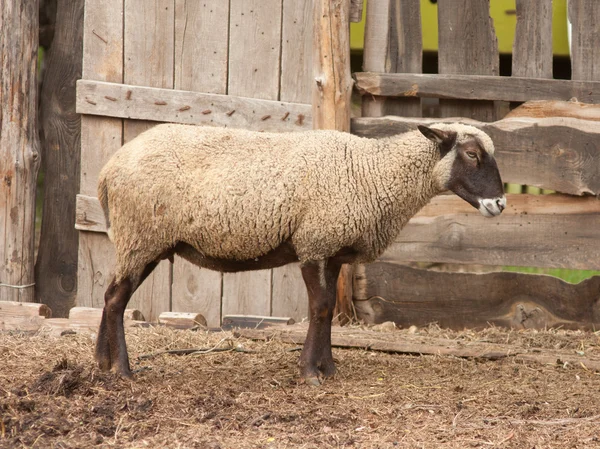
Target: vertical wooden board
(197,290)
(149,49)
(296,51)
(254,48)
(289,292)
(467,44)
(247,293)
(532,48)
(290,298)
(100,138)
(201,49)
(201,45)
(254,68)
(395,48)
(585,41)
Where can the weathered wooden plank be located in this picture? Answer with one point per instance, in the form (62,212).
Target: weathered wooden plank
(201,35)
(585,42)
(410,296)
(196,289)
(179,106)
(534,230)
(573,109)
(541,234)
(255,29)
(56,265)
(356,10)
(93,315)
(296,54)
(289,297)
(254,48)
(473,87)
(467,44)
(422,344)
(331,97)
(149,49)
(555,153)
(532,47)
(394,48)
(20,148)
(100,138)
(254,321)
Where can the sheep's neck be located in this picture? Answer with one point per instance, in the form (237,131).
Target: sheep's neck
(403,185)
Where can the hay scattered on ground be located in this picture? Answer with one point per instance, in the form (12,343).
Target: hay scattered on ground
(51,395)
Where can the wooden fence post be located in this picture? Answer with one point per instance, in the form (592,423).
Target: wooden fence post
(19,147)
(56,265)
(332,89)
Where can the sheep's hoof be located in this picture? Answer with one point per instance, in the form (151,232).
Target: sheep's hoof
(124,373)
(312,381)
(103,362)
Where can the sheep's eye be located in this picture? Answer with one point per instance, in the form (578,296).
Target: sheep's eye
(472,154)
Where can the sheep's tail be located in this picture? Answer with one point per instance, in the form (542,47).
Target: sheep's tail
(103,198)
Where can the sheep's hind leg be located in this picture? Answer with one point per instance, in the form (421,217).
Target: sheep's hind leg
(316,360)
(111,349)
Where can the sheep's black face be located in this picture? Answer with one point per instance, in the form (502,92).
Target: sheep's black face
(468,167)
(474,177)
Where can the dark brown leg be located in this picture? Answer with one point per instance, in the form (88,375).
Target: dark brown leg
(316,359)
(111,349)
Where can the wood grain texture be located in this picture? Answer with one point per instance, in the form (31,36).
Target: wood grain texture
(541,109)
(532,47)
(254,48)
(543,231)
(331,92)
(422,344)
(394,48)
(202,37)
(56,266)
(201,45)
(100,138)
(149,61)
(188,107)
(20,156)
(410,296)
(356,10)
(254,71)
(289,297)
(585,42)
(296,53)
(473,87)
(467,44)
(564,151)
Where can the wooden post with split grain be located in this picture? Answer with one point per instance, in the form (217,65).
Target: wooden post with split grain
(332,89)
(19,145)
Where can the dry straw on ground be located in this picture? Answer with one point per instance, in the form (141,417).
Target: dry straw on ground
(249,395)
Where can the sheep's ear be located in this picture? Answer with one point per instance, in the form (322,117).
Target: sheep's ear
(445,139)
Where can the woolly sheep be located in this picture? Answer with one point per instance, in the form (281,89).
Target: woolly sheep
(235,200)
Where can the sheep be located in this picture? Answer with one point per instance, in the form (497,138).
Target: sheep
(236,200)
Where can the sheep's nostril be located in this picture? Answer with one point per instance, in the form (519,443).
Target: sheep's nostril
(500,204)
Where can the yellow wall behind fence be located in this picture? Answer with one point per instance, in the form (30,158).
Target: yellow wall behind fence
(505,20)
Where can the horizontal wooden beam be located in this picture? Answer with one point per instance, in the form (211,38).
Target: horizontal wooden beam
(535,230)
(178,106)
(557,153)
(410,296)
(475,87)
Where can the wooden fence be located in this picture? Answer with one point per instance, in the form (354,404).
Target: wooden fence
(248,64)
(549,145)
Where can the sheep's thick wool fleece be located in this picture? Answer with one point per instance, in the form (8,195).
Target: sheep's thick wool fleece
(235,194)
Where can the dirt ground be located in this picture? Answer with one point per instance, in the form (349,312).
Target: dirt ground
(51,395)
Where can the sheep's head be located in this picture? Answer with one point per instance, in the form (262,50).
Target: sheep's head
(467,166)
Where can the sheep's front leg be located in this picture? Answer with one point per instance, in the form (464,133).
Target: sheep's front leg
(321,279)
